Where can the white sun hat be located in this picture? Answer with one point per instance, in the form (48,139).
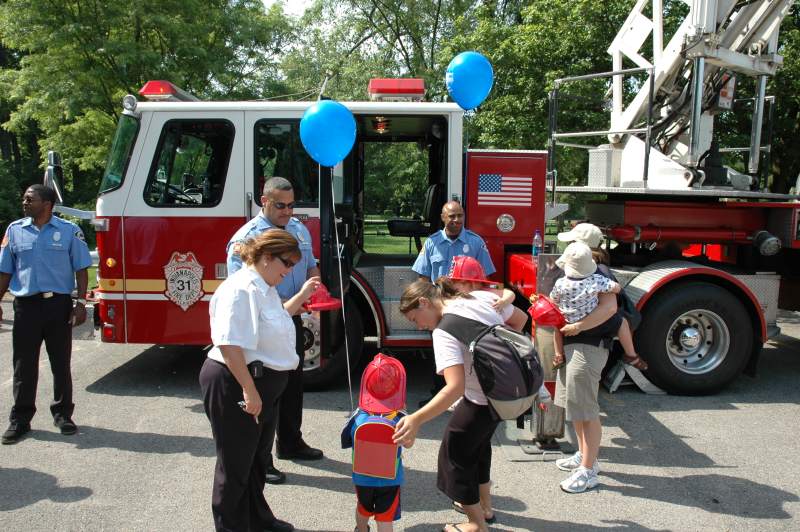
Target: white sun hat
(576,261)
(589,234)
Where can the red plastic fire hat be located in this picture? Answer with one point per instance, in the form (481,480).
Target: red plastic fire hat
(383,385)
(463,268)
(321,299)
(545,313)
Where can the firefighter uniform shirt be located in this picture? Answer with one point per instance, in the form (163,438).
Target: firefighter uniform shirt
(247,312)
(293,282)
(43,260)
(438,252)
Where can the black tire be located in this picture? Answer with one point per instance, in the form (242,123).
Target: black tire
(333,368)
(696,337)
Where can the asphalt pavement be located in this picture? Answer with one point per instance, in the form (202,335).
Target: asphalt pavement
(143,457)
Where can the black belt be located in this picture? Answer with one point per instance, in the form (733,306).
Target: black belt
(43,295)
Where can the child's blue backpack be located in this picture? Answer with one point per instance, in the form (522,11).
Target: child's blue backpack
(374,452)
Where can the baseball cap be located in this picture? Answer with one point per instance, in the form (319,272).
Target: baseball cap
(589,234)
(383,385)
(463,268)
(576,261)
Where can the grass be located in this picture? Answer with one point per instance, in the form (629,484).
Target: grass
(384,243)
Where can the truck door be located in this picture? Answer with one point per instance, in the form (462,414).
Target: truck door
(188,201)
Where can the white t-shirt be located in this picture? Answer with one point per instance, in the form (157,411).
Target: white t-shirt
(577,298)
(448,351)
(247,312)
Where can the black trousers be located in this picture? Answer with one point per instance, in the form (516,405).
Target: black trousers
(35,320)
(289,420)
(465,456)
(237,497)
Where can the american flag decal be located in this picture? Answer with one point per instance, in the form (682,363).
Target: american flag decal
(499,189)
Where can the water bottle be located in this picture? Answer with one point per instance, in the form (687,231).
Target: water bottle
(537,243)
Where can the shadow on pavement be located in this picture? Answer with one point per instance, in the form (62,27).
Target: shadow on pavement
(20,487)
(157,371)
(714,493)
(89,437)
(518,522)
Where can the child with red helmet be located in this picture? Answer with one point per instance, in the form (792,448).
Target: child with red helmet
(467,275)
(377,462)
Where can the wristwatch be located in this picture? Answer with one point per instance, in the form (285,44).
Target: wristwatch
(81,300)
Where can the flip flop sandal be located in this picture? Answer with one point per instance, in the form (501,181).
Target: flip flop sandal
(559,365)
(453,525)
(637,362)
(458,508)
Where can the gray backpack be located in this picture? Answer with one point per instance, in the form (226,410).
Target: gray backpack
(505,362)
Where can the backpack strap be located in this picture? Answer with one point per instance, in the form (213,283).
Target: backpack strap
(465,330)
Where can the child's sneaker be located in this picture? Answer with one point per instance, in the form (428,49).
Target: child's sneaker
(573,462)
(580,480)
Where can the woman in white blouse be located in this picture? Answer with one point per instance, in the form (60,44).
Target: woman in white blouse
(245,374)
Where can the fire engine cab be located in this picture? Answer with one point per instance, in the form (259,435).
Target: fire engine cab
(701,249)
(183,175)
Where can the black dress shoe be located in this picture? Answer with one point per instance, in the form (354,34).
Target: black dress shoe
(15,432)
(304,452)
(279,526)
(273,476)
(65,425)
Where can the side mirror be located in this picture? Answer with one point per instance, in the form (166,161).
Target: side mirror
(54,175)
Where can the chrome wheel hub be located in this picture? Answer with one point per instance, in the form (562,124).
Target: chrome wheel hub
(311,342)
(698,341)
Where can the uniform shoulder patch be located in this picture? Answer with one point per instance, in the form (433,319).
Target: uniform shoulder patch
(79,234)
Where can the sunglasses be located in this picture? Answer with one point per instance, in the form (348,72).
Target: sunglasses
(286,262)
(281,205)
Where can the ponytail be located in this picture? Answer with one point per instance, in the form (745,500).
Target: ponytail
(443,289)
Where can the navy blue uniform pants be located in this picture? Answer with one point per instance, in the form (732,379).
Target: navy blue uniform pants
(37,319)
(290,407)
(237,497)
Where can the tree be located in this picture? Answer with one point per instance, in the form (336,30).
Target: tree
(80,58)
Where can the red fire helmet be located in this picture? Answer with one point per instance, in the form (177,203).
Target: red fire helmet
(321,299)
(463,268)
(383,385)
(545,313)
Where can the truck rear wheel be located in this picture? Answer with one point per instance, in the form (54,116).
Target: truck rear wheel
(696,338)
(321,371)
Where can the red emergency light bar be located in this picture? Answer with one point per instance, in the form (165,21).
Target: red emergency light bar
(164,91)
(396,89)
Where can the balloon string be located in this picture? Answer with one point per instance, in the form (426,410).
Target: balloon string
(341,292)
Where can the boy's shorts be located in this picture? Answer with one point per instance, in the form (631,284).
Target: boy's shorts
(383,502)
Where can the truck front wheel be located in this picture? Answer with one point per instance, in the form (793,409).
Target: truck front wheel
(321,370)
(696,338)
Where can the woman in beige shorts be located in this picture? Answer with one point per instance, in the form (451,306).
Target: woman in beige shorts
(577,384)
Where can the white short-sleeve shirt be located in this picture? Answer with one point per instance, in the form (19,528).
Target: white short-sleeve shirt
(247,312)
(448,351)
(577,298)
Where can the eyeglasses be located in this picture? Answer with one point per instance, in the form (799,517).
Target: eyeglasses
(281,205)
(286,262)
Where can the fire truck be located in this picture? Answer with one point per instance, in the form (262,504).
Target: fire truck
(703,250)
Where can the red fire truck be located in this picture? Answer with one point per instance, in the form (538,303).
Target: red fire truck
(703,251)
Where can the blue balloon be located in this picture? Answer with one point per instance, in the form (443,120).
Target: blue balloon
(469,79)
(328,132)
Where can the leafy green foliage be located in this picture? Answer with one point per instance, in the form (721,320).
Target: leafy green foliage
(78,59)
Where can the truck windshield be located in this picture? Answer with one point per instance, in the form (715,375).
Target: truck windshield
(120,154)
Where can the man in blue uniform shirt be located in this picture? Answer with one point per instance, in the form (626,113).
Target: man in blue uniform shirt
(452,241)
(42,258)
(438,252)
(277,204)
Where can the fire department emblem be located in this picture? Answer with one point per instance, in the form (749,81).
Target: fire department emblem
(184,277)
